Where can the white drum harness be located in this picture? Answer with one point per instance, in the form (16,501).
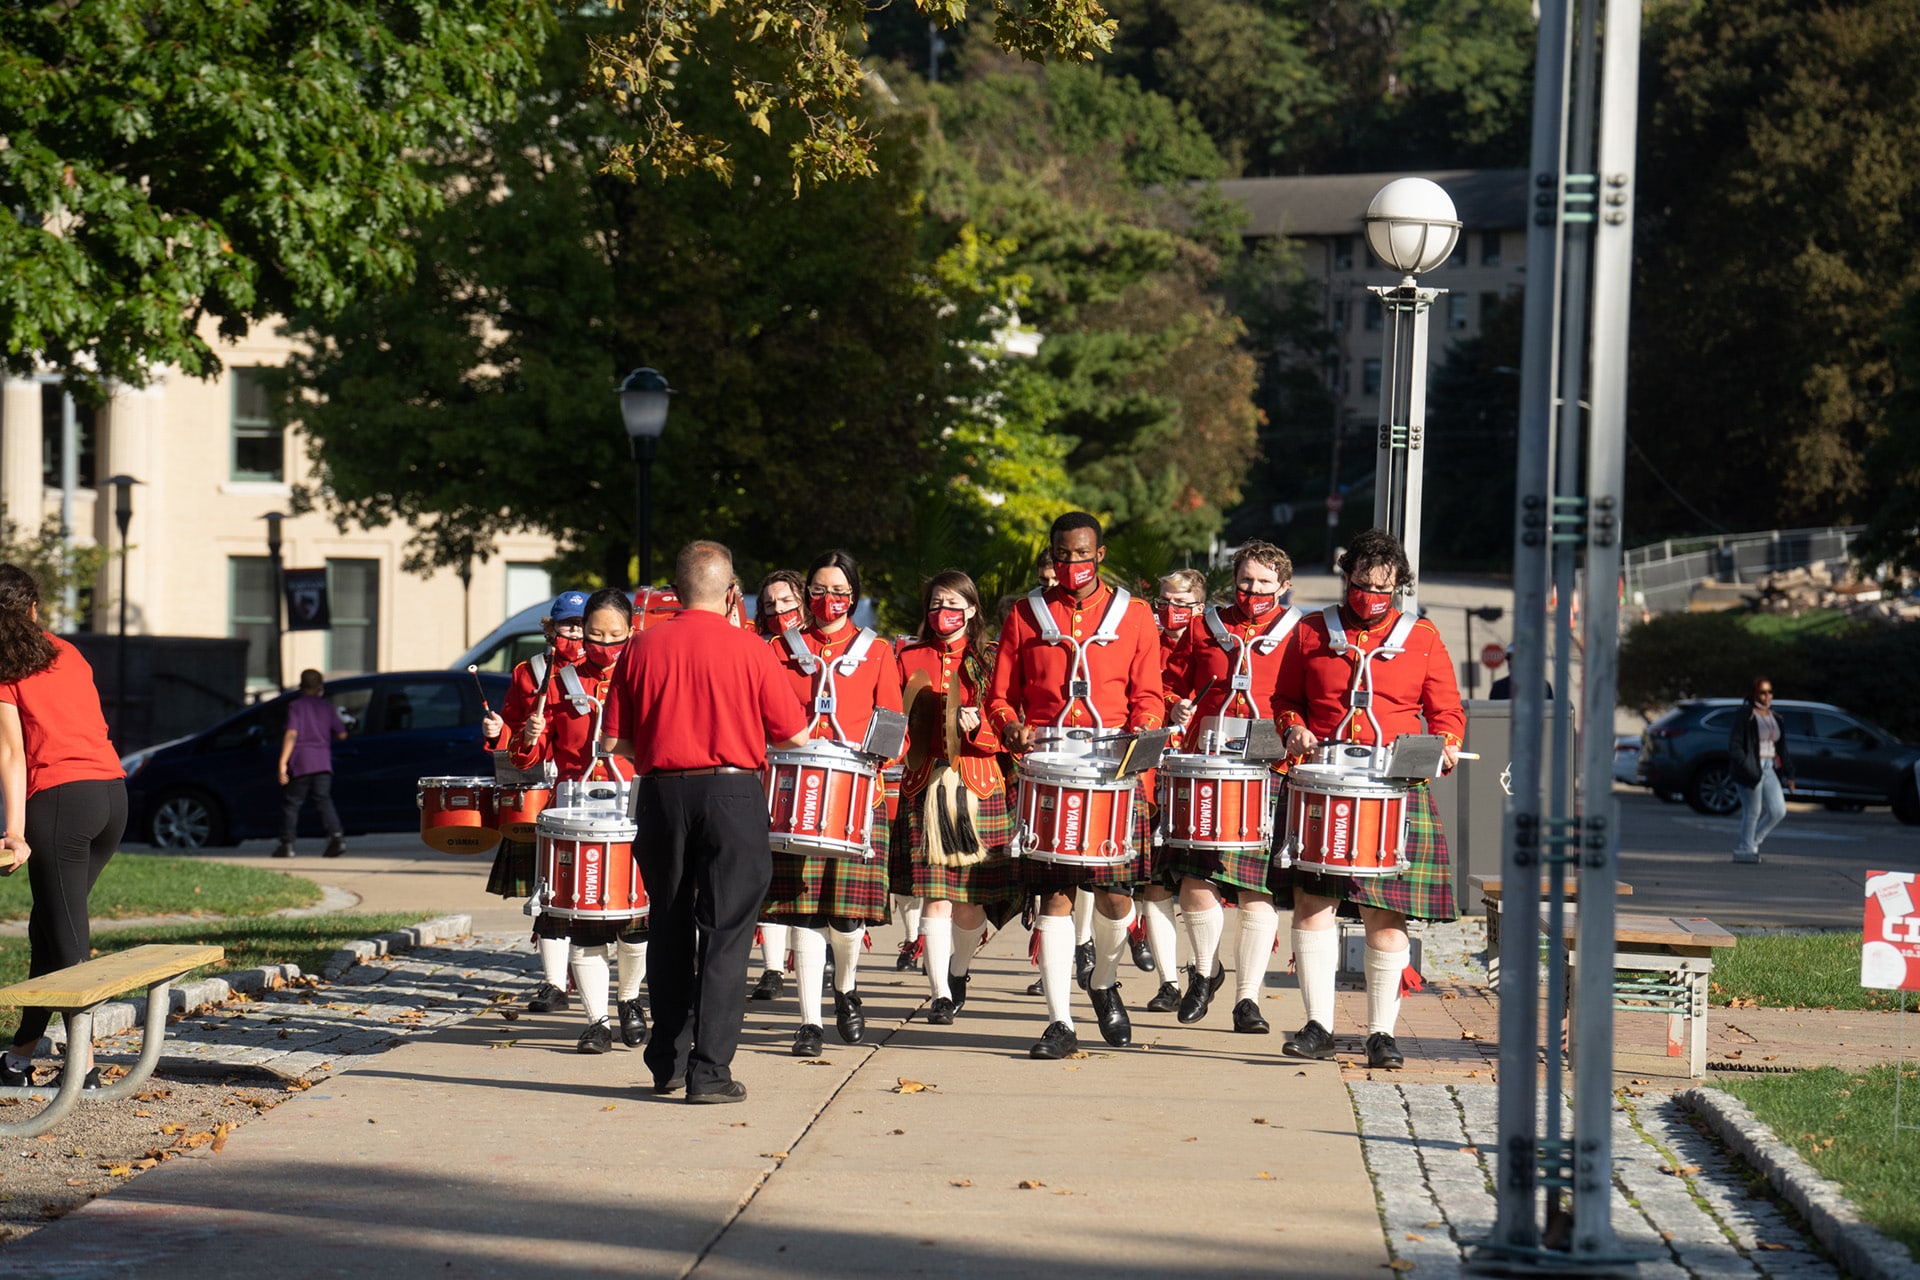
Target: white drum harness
(824,700)
(1360,693)
(1263,643)
(1079,678)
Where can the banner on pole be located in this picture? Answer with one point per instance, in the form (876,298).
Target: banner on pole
(1890,943)
(307,600)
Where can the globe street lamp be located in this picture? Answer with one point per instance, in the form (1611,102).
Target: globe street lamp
(1411,228)
(123,517)
(643,405)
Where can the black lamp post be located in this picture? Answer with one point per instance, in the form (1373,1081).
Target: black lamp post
(643,405)
(273,519)
(1486,613)
(123,517)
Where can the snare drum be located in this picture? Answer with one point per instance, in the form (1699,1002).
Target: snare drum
(586,865)
(1073,810)
(520,806)
(820,801)
(457,815)
(612,794)
(1215,802)
(1342,822)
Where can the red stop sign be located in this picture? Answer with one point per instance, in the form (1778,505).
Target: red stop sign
(1492,656)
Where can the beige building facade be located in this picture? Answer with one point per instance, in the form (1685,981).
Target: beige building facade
(211,467)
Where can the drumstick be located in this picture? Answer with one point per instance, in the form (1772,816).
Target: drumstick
(475,673)
(1466,755)
(1205,689)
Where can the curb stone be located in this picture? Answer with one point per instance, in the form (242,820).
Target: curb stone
(424,934)
(1858,1246)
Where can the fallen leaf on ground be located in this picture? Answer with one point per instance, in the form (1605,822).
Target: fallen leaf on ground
(608,1107)
(76,1182)
(1470,1149)
(180,1128)
(960,1182)
(511,1015)
(1079,1053)
(1399,1264)
(120,1171)
(739,1124)
(905,1085)
(144,1115)
(1415,1235)
(1263,1174)
(220,1137)
(1259,1119)
(896,1132)
(1771,1247)
(815,1062)
(773,1155)
(1467,1035)
(1062,1192)
(1031,1184)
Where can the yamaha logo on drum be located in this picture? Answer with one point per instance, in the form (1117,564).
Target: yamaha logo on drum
(1203,817)
(810,804)
(1070,833)
(1342,824)
(590,873)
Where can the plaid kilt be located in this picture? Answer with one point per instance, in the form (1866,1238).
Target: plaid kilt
(1424,891)
(513,869)
(843,888)
(1226,868)
(990,883)
(1149,860)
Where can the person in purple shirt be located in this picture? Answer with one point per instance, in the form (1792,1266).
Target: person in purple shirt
(306,764)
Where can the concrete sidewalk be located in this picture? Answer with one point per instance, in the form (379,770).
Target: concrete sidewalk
(492,1149)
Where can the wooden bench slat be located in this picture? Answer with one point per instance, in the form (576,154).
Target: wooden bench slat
(83,985)
(1489,887)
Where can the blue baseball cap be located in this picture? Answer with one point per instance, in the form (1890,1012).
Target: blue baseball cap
(568,605)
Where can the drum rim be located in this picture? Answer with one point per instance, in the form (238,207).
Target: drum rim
(445,780)
(1187,764)
(1362,788)
(525,787)
(565,822)
(1082,768)
(819,750)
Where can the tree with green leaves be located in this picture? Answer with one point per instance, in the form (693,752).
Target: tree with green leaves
(1892,539)
(172,162)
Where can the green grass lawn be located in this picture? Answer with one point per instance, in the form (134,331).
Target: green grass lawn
(309,943)
(1796,971)
(1842,1123)
(145,884)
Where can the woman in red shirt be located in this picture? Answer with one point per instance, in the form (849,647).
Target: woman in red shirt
(779,606)
(66,796)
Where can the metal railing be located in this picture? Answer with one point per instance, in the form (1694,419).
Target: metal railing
(1660,577)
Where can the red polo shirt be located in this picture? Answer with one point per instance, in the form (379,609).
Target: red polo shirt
(697,692)
(60,723)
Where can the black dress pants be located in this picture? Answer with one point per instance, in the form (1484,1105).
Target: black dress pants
(73,830)
(702,850)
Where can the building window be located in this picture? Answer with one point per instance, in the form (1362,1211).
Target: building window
(1370,378)
(1489,248)
(1343,253)
(253,609)
(1458,258)
(1375,310)
(1339,315)
(353,597)
(1489,307)
(52,397)
(1457,310)
(259,446)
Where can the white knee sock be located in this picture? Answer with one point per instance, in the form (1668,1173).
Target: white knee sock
(553,961)
(911,910)
(1384,970)
(1160,938)
(1316,962)
(1182,941)
(965,943)
(1056,967)
(809,965)
(1253,947)
(773,947)
(1109,944)
(1082,917)
(632,959)
(1204,928)
(939,935)
(846,956)
(590,977)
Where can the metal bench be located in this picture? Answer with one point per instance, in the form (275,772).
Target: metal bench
(1488,887)
(76,992)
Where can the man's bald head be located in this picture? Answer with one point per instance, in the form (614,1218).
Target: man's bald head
(702,574)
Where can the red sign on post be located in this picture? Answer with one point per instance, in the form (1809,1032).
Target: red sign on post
(1492,655)
(1890,945)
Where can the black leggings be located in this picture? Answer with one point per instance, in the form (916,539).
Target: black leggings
(72,830)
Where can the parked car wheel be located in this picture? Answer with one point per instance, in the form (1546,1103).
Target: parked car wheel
(1906,806)
(186,819)
(1712,790)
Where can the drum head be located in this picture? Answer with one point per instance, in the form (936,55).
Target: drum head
(600,826)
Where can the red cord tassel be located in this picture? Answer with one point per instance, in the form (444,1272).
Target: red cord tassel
(1411,981)
(1137,931)
(1033,949)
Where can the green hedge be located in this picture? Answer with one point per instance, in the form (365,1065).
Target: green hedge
(1871,669)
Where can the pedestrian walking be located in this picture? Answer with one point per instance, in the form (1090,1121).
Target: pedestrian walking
(1758,762)
(694,706)
(306,764)
(65,798)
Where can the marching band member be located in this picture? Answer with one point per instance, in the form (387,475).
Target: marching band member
(956,819)
(1365,644)
(777,608)
(564,730)
(1082,637)
(513,871)
(1231,656)
(1183,593)
(842,673)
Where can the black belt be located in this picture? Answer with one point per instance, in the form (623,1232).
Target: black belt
(697,773)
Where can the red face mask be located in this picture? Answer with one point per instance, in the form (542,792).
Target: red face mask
(783,620)
(945,622)
(829,608)
(604,655)
(569,648)
(1255,607)
(1368,605)
(1175,616)
(1075,574)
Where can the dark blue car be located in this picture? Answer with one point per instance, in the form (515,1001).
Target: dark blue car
(219,786)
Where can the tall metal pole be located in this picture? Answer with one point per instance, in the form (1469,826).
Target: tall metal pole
(644,448)
(1399,453)
(276,668)
(69,482)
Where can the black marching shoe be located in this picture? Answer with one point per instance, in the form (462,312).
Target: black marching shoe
(1247,1019)
(674,1085)
(1310,1041)
(940,1012)
(1056,1042)
(1199,997)
(547,998)
(12,1077)
(957,983)
(1115,1028)
(1143,956)
(1083,964)
(336,845)
(597,1038)
(906,959)
(283,850)
(1165,1000)
(847,1019)
(1039,987)
(1383,1054)
(633,1023)
(770,986)
(808,1042)
(731,1091)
